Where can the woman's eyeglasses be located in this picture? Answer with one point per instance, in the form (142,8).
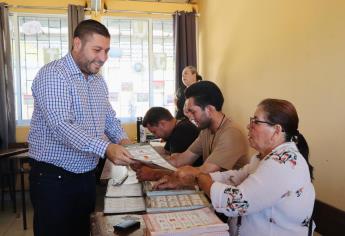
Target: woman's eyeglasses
(253,120)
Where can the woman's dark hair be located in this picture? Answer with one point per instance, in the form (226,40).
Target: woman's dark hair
(282,112)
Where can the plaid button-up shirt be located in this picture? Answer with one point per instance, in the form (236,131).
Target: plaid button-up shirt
(71,117)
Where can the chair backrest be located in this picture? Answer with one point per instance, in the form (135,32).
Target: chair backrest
(328,219)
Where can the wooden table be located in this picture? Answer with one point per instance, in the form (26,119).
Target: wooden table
(4,153)
(102,225)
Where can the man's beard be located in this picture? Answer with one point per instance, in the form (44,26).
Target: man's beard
(86,65)
(204,124)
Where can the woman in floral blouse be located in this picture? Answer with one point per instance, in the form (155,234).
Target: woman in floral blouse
(273,194)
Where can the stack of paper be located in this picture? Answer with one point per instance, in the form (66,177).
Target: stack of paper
(124,190)
(123,198)
(176,202)
(123,205)
(200,222)
(149,191)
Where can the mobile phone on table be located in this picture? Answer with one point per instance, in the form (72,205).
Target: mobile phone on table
(127,225)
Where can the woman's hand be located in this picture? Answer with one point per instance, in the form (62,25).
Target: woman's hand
(174,181)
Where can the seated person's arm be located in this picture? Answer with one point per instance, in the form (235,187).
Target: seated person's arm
(146,173)
(209,167)
(186,176)
(204,182)
(161,150)
(181,159)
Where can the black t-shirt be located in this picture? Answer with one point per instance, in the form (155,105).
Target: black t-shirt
(183,135)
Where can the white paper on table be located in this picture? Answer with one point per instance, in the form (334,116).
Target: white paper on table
(112,171)
(129,190)
(124,204)
(132,177)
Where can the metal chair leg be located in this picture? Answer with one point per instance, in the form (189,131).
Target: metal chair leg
(23,193)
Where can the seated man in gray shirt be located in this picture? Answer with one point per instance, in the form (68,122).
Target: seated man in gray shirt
(220,143)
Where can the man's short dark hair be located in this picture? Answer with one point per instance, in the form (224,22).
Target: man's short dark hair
(88,27)
(156,114)
(205,93)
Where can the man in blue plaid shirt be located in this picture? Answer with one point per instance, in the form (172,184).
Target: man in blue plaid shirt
(72,115)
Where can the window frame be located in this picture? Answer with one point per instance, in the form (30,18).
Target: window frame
(150,58)
(17,70)
(15,44)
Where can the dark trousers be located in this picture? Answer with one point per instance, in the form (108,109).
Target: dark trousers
(62,200)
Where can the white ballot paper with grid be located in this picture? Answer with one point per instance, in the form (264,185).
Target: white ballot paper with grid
(147,154)
(123,204)
(124,190)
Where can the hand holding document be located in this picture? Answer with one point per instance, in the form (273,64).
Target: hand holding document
(118,154)
(147,154)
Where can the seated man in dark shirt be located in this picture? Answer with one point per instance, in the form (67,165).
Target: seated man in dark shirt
(178,134)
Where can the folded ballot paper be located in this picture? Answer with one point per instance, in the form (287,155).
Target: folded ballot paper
(147,154)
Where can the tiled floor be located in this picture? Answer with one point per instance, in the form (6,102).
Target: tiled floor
(11,224)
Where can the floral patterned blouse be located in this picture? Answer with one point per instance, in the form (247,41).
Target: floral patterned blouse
(274,195)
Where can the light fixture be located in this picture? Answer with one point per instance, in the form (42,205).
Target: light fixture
(32,27)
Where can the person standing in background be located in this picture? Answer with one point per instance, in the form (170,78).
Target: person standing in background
(71,114)
(189,76)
